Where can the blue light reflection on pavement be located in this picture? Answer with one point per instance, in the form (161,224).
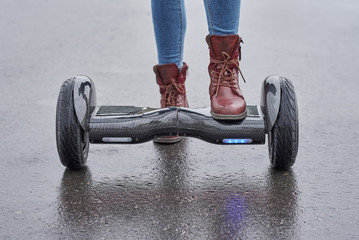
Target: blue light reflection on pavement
(235,214)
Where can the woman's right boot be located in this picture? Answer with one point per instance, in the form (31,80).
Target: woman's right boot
(171,81)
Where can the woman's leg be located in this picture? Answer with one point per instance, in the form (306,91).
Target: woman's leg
(227,101)
(222,16)
(169,21)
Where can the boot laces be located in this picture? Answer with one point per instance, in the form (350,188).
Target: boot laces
(171,93)
(225,77)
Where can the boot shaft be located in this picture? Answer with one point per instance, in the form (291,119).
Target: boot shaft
(225,53)
(229,44)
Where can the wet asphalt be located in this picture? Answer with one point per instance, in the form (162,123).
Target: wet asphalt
(191,190)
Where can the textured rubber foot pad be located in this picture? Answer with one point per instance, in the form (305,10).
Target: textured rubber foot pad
(118,110)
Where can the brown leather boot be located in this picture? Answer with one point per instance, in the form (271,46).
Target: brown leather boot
(173,92)
(227,101)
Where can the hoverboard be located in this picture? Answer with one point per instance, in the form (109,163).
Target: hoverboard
(79,122)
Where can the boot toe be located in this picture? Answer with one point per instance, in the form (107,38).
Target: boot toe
(228,107)
(225,109)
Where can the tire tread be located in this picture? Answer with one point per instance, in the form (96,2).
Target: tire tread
(284,134)
(68,130)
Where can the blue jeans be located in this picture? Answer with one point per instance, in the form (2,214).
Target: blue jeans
(169,21)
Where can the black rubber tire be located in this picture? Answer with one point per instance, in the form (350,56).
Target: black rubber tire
(283,138)
(72,141)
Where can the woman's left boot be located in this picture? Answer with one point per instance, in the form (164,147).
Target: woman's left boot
(171,81)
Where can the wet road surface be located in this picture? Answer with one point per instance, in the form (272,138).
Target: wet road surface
(191,190)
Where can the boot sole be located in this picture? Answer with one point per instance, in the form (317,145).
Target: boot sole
(229,117)
(169,140)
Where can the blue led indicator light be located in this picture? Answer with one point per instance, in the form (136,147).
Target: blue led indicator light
(239,140)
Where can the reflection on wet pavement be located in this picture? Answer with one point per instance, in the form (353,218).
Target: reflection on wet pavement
(178,207)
